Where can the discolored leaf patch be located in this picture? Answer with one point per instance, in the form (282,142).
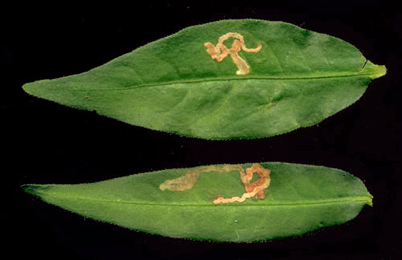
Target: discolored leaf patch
(220,51)
(253,189)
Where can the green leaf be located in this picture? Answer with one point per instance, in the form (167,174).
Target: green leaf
(297,79)
(300,199)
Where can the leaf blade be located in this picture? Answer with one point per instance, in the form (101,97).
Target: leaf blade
(171,84)
(331,196)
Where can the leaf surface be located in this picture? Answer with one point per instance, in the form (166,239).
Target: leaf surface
(297,79)
(300,199)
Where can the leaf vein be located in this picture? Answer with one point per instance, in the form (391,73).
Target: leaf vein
(300,203)
(279,78)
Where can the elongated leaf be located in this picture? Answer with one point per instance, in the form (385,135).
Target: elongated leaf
(296,79)
(300,199)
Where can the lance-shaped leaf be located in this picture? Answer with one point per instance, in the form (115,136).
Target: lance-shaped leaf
(273,78)
(299,199)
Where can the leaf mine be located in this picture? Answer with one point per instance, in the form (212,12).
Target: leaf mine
(220,51)
(253,189)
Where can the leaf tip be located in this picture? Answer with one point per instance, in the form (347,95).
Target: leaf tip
(38,89)
(28,88)
(32,189)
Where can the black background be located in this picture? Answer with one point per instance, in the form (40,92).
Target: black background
(48,143)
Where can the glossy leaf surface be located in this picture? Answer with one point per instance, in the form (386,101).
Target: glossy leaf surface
(297,79)
(300,199)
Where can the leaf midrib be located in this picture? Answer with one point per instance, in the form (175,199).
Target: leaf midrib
(356,199)
(238,78)
(374,73)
